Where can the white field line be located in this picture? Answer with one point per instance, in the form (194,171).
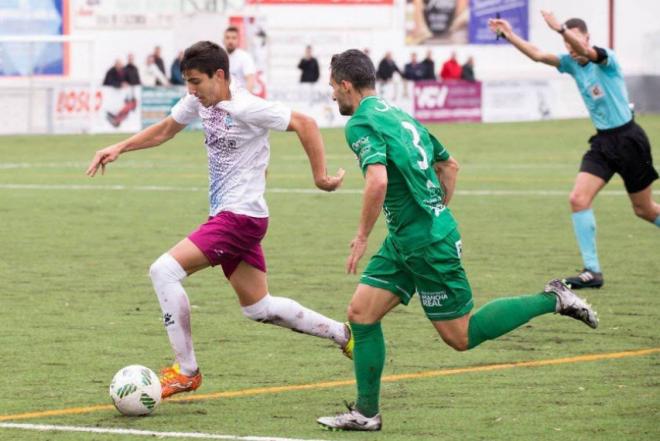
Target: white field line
(118,431)
(136,164)
(166,188)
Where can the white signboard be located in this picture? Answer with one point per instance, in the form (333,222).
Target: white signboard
(83,109)
(517,100)
(124,14)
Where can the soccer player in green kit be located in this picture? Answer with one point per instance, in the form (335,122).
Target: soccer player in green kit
(410,176)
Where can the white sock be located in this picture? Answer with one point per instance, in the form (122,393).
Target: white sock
(288,313)
(166,275)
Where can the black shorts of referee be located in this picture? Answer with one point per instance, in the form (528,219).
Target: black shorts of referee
(624,150)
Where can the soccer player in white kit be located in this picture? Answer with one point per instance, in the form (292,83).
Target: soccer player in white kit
(236,125)
(242,69)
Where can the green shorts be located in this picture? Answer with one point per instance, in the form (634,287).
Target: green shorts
(434,271)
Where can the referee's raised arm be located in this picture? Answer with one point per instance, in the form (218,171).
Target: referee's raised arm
(502,27)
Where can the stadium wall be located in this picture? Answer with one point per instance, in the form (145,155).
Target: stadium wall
(117,30)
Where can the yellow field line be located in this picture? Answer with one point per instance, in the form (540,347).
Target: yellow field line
(331,384)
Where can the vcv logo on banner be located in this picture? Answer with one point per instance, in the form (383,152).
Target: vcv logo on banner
(450,101)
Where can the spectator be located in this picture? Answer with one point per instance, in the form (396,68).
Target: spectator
(131,73)
(451,70)
(153,76)
(158,60)
(309,67)
(413,71)
(176,77)
(384,74)
(467,71)
(242,71)
(115,75)
(429,66)
(386,68)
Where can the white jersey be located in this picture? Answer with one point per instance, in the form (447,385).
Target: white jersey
(240,66)
(237,147)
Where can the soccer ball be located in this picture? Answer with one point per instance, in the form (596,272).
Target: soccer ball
(135,390)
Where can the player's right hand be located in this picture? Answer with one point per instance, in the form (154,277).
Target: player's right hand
(101,158)
(499,26)
(331,183)
(358,248)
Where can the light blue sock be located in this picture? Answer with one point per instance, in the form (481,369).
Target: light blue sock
(657,221)
(584,224)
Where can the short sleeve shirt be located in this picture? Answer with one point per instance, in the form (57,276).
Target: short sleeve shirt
(380,133)
(237,147)
(603,89)
(240,66)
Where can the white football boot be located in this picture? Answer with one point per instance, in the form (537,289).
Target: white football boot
(351,420)
(569,304)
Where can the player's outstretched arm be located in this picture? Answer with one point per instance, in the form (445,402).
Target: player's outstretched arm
(311,140)
(503,28)
(375,188)
(447,171)
(579,45)
(150,137)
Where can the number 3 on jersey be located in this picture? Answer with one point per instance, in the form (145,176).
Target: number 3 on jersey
(424,163)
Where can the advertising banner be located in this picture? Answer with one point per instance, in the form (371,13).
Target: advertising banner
(450,101)
(312,99)
(124,14)
(436,21)
(518,100)
(515,12)
(320,2)
(157,103)
(84,109)
(432,22)
(32,57)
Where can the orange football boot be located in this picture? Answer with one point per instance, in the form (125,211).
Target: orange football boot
(172,381)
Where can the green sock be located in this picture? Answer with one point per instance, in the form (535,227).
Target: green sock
(369,359)
(506,314)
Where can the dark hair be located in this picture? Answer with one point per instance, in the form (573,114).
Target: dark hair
(355,67)
(206,57)
(232,29)
(578,23)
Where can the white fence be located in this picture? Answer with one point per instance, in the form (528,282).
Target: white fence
(80,108)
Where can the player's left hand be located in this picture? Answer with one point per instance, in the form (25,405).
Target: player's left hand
(101,158)
(551,20)
(358,248)
(331,183)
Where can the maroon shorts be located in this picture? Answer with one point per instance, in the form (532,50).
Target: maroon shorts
(227,239)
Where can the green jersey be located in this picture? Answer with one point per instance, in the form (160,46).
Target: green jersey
(380,133)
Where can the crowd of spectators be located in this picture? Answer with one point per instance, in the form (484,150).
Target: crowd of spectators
(152,73)
(416,70)
(243,71)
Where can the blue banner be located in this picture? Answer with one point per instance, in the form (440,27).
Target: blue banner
(32,18)
(515,12)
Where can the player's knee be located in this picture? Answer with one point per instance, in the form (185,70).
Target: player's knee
(457,342)
(645,212)
(357,314)
(578,201)
(259,312)
(353,313)
(459,345)
(155,270)
(166,269)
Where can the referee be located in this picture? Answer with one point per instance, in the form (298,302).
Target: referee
(619,145)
